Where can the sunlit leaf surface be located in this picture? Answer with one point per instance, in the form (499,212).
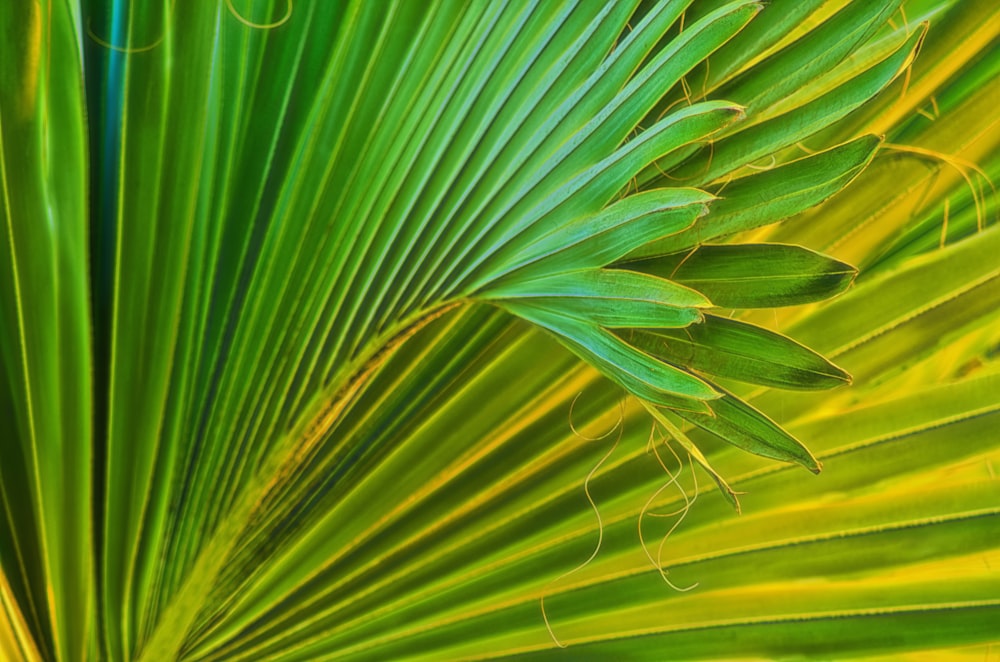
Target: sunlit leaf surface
(464,330)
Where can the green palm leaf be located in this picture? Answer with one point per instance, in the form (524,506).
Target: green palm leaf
(287,293)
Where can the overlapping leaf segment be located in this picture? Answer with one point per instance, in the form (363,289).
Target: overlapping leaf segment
(213,227)
(604,237)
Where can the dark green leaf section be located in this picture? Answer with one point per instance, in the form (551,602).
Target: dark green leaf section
(610,297)
(739,424)
(46,364)
(737,350)
(773,195)
(753,275)
(634,370)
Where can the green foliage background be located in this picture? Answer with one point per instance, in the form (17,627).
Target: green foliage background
(456,330)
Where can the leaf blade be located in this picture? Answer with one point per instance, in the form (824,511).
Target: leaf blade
(754,275)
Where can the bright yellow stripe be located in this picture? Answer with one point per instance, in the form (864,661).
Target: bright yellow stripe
(16,642)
